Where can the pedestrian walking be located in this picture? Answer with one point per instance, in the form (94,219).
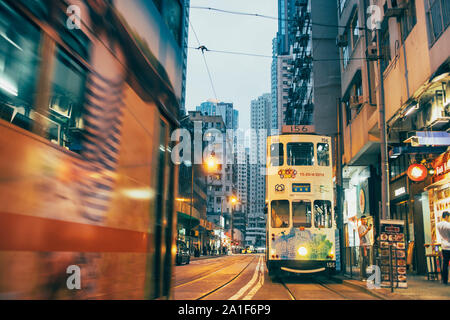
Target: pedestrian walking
(443,228)
(364,242)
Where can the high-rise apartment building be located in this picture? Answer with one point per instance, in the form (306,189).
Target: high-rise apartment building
(260,124)
(315,86)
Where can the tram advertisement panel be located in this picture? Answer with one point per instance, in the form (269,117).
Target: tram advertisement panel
(393,253)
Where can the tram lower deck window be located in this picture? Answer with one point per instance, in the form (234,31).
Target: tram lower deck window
(322,214)
(300,154)
(279,213)
(301,214)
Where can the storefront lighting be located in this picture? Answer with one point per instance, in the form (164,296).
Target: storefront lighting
(417,172)
(413,108)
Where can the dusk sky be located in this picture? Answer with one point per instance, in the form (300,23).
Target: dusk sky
(236,78)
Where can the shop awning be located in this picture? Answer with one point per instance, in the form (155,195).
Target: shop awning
(438,184)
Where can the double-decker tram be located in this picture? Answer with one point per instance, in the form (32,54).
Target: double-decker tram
(89,94)
(300,220)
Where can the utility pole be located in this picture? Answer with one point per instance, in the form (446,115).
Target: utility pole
(339,185)
(385,210)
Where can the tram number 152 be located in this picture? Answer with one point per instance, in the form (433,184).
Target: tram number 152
(331,264)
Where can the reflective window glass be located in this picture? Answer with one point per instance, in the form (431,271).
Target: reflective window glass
(301,214)
(19,60)
(66,100)
(323,154)
(276,154)
(300,154)
(279,213)
(172,14)
(322,214)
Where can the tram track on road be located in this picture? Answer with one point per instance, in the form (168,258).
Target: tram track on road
(205,274)
(293,288)
(229,281)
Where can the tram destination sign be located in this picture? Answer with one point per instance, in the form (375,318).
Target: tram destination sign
(298,129)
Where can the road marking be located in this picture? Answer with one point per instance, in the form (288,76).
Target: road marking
(258,285)
(249,284)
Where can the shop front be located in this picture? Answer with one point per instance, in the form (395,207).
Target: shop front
(439,194)
(359,200)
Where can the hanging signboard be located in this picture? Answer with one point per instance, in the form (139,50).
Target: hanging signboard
(393,253)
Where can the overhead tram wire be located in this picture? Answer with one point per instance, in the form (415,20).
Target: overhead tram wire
(271,17)
(266,56)
(203,48)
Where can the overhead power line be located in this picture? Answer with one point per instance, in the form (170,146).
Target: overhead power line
(203,48)
(271,17)
(262,55)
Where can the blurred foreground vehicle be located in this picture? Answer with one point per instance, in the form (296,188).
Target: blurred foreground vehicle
(88,97)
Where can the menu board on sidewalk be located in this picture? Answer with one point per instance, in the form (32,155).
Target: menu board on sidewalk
(393,253)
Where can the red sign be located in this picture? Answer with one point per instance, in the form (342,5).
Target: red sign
(417,172)
(441,165)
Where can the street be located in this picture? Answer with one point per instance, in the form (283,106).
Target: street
(245,277)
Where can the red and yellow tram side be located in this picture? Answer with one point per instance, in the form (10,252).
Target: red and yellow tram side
(88,183)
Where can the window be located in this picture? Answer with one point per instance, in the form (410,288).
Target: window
(438,17)
(322,214)
(276,154)
(19,60)
(279,213)
(301,214)
(300,154)
(355,29)
(66,100)
(386,50)
(323,154)
(409,19)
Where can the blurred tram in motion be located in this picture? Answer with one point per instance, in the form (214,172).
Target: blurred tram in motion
(89,93)
(300,223)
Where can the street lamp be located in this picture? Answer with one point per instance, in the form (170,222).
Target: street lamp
(234,201)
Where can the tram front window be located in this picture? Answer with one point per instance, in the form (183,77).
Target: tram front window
(322,214)
(301,214)
(276,154)
(323,154)
(279,213)
(300,154)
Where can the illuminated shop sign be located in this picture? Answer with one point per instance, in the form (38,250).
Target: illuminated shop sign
(399,191)
(417,172)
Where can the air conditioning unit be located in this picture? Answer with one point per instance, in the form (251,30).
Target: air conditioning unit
(372,52)
(436,117)
(356,101)
(341,41)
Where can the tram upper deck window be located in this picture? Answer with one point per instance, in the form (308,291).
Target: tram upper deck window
(301,214)
(171,12)
(279,213)
(322,214)
(276,154)
(300,154)
(19,61)
(323,154)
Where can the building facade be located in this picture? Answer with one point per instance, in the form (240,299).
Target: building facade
(414,61)
(260,124)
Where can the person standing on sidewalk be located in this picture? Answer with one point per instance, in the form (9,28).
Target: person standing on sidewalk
(443,228)
(364,243)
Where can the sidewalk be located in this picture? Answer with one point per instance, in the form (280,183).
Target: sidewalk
(419,288)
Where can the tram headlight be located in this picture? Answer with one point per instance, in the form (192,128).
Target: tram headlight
(302,251)
(331,254)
